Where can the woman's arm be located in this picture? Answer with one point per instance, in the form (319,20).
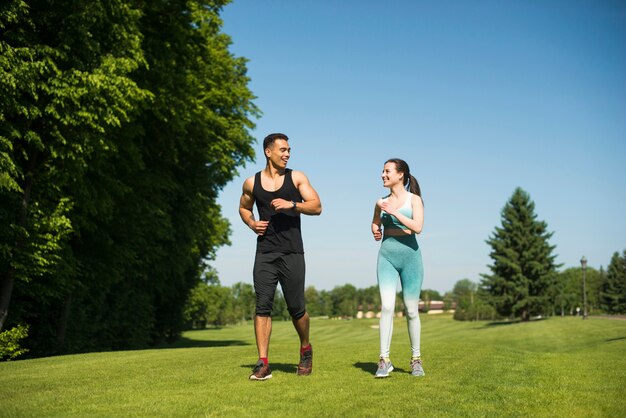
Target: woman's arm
(376,229)
(415,223)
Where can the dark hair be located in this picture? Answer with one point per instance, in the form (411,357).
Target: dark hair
(410,182)
(269,140)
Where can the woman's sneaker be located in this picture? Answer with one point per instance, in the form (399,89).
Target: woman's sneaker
(416,367)
(384,368)
(261,371)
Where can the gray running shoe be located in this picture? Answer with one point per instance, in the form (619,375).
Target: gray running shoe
(416,368)
(261,371)
(384,368)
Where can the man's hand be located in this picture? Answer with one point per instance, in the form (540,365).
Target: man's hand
(259,227)
(281,204)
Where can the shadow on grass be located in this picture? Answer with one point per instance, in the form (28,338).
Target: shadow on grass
(184,342)
(615,339)
(370,368)
(281,367)
(510,322)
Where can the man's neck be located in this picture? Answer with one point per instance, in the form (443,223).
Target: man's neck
(272,171)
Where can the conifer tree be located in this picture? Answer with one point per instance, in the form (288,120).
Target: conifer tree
(613,290)
(523,266)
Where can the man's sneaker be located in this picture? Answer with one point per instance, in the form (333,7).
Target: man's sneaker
(306,362)
(261,371)
(384,368)
(416,367)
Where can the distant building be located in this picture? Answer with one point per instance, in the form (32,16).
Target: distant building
(435,307)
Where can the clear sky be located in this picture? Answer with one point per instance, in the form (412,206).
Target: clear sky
(479,97)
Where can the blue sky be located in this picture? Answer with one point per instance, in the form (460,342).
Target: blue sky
(479,97)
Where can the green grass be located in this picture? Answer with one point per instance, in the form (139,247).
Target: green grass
(556,367)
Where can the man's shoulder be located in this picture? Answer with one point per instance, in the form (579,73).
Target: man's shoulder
(297,175)
(248,183)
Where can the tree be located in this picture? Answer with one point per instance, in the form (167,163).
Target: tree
(344,301)
(65,89)
(120,122)
(209,303)
(312,298)
(613,288)
(523,268)
(244,300)
(279,310)
(369,298)
(566,294)
(469,302)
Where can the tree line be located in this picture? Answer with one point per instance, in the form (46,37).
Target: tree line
(120,122)
(524,282)
(213,305)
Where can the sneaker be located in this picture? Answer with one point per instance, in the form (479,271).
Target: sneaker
(306,363)
(416,367)
(261,371)
(384,368)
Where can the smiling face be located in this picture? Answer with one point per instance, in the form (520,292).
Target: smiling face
(278,153)
(391,176)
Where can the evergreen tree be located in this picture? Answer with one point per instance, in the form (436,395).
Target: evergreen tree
(613,290)
(523,268)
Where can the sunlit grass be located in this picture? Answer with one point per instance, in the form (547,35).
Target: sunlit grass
(554,367)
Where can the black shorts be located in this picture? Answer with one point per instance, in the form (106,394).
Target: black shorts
(272,268)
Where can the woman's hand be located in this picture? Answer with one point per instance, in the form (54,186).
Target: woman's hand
(377,232)
(387,207)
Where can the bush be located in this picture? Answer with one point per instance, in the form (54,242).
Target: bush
(10,342)
(475,312)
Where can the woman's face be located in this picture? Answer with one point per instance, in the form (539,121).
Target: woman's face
(391,176)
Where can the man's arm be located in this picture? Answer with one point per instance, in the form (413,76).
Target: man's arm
(246,203)
(311,204)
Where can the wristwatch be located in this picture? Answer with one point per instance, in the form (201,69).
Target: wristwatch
(294,204)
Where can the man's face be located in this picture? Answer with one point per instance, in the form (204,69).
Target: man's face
(278,153)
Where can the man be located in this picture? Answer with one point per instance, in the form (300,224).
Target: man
(281,195)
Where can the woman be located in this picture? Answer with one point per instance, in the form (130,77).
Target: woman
(401,216)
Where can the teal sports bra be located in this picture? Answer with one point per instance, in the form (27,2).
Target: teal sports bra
(391,222)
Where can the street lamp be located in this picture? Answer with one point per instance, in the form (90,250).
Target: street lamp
(583,263)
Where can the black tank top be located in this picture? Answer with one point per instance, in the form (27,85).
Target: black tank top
(283,234)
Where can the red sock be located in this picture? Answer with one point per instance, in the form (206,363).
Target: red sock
(303,349)
(264,360)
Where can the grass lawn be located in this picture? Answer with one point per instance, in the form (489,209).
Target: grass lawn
(561,367)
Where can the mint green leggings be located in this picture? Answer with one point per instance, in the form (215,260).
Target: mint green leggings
(400,257)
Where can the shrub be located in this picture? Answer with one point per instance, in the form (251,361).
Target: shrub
(10,342)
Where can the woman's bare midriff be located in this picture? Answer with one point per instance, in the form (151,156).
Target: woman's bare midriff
(397,232)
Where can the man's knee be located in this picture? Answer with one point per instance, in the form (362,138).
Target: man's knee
(297,314)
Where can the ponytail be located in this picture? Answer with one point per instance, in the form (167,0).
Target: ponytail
(413,186)
(410,182)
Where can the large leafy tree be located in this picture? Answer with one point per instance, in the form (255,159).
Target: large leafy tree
(613,288)
(523,268)
(567,292)
(65,86)
(119,137)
